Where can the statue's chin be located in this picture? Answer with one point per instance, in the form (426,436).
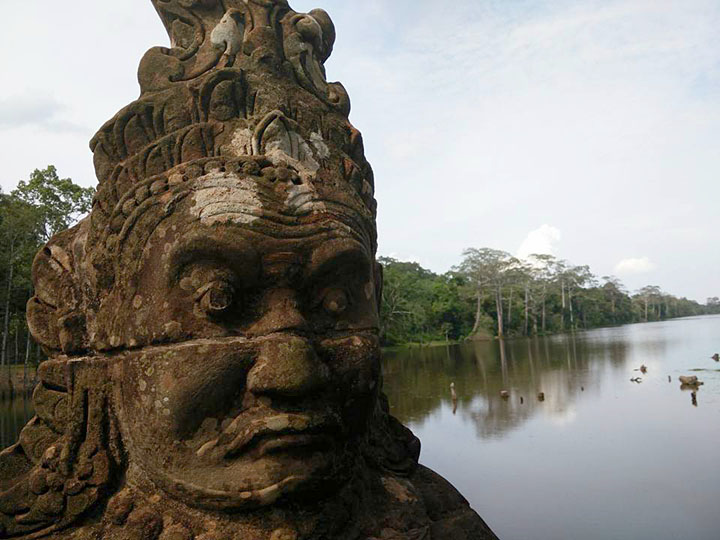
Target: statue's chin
(249,485)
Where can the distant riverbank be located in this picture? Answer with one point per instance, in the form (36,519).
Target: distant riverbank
(19,383)
(492,294)
(491,338)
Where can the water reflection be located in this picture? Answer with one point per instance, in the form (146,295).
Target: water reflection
(14,414)
(500,385)
(575,449)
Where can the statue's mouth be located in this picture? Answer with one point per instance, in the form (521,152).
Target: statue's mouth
(279,442)
(273,434)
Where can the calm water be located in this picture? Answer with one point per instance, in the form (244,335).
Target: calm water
(13,416)
(602,457)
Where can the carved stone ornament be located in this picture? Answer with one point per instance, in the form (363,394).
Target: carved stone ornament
(212,326)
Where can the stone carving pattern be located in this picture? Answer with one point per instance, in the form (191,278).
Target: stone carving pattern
(236,123)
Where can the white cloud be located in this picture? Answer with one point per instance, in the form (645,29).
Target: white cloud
(542,241)
(18,111)
(641,265)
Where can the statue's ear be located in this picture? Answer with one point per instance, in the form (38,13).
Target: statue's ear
(378,285)
(54,314)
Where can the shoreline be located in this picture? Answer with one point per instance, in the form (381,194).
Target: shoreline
(488,339)
(17,386)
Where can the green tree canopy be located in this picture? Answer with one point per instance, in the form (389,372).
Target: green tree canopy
(59,201)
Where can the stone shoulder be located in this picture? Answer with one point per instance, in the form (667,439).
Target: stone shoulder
(451,515)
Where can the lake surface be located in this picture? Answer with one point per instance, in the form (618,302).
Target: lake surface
(601,457)
(14,414)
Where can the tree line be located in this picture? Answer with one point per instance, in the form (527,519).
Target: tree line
(491,293)
(30,215)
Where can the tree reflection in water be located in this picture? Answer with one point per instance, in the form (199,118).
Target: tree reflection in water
(601,457)
(14,414)
(561,367)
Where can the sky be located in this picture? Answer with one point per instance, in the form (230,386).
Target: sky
(588,129)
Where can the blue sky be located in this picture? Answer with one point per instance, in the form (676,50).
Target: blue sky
(586,128)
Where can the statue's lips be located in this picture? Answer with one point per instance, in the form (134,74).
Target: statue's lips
(278,442)
(273,434)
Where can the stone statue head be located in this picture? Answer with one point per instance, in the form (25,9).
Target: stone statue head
(212,326)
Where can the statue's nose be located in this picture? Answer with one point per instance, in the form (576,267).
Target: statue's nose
(288,367)
(281,314)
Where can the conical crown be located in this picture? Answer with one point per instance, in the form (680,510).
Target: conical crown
(242,88)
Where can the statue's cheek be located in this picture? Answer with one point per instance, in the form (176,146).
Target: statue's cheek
(173,390)
(355,364)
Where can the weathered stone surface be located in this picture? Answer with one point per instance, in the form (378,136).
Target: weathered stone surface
(213,324)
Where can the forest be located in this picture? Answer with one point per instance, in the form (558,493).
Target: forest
(493,294)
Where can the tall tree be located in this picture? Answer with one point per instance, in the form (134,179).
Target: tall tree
(648,295)
(488,269)
(545,267)
(59,200)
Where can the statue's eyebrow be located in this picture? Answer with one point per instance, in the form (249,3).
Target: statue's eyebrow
(241,257)
(342,255)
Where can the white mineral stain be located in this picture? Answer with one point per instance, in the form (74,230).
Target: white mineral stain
(318,142)
(241,144)
(225,197)
(302,199)
(286,147)
(228,35)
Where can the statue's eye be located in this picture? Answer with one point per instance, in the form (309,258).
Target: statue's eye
(216,298)
(335,301)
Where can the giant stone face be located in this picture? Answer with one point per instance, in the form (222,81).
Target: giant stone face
(212,326)
(273,381)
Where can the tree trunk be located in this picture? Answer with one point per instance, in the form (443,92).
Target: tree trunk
(562,317)
(478,314)
(28,343)
(499,308)
(572,319)
(543,310)
(526,328)
(509,314)
(4,361)
(17,347)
